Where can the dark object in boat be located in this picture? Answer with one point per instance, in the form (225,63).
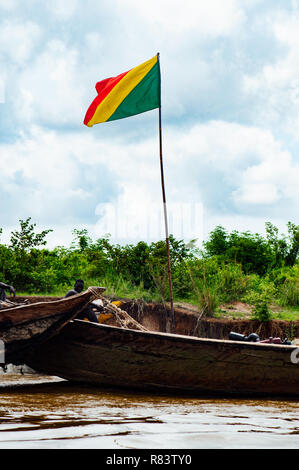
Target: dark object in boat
(253,337)
(123,358)
(275,341)
(23,327)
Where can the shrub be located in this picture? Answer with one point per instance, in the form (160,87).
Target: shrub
(231,282)
(261,299)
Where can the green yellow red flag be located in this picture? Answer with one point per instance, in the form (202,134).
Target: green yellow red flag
(130,93)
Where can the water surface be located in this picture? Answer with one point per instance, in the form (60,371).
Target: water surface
(40,412)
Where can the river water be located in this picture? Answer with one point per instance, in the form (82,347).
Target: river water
(41,412)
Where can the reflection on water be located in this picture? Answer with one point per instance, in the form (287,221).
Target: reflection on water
(47,412)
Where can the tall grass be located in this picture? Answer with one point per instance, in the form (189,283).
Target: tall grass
(119,287)
(232,283)
(204,291)
(289,293)
(214,284)
(286,281)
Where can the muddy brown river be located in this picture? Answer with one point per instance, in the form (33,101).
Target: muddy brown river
(41,412)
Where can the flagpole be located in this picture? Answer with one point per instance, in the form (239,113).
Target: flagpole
(165,209)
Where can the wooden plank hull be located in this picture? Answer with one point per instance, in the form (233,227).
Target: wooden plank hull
(24,327)
(116,357)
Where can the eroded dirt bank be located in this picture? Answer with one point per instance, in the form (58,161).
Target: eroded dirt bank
(187,322)
(156,317)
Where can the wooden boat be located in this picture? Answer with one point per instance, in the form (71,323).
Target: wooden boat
(23,327)
(119,357)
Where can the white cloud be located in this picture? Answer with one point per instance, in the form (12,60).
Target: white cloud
(274,178)
(61,174)
(93,43)
(39,157)
(18,40)
(62,10)
(50,91)
(276,87)
(248,163)
(8,4)
(211,18)
(57,169)
(41,177)
(245,167)
(257,193)
(2,90)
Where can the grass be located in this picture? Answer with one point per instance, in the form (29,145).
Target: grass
(288,314)
(115,288)
(202,299)
(277,313)
(231,315)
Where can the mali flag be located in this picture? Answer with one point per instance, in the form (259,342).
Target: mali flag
(130,93)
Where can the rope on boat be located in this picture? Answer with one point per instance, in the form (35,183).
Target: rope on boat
(123,319)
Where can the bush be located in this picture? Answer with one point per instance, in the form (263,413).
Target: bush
(231,282)
(261,299)
(286,281)
(255,253)
(261,310)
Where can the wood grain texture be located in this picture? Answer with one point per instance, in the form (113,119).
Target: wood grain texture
(26,326)
(117,357)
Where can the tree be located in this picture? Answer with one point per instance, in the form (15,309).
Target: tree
(293,249)
(26,239)
(217,243)
(82,239)
(250,250)
(284,249)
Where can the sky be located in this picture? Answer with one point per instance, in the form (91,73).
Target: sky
(230,117)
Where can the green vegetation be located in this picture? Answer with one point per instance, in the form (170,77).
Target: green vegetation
(262,272)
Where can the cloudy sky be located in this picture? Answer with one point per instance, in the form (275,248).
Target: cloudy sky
(230,113)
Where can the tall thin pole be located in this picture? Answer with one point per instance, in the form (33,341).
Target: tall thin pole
(165,209)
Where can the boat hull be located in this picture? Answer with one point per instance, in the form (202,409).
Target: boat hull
(117,357)
(25,327)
